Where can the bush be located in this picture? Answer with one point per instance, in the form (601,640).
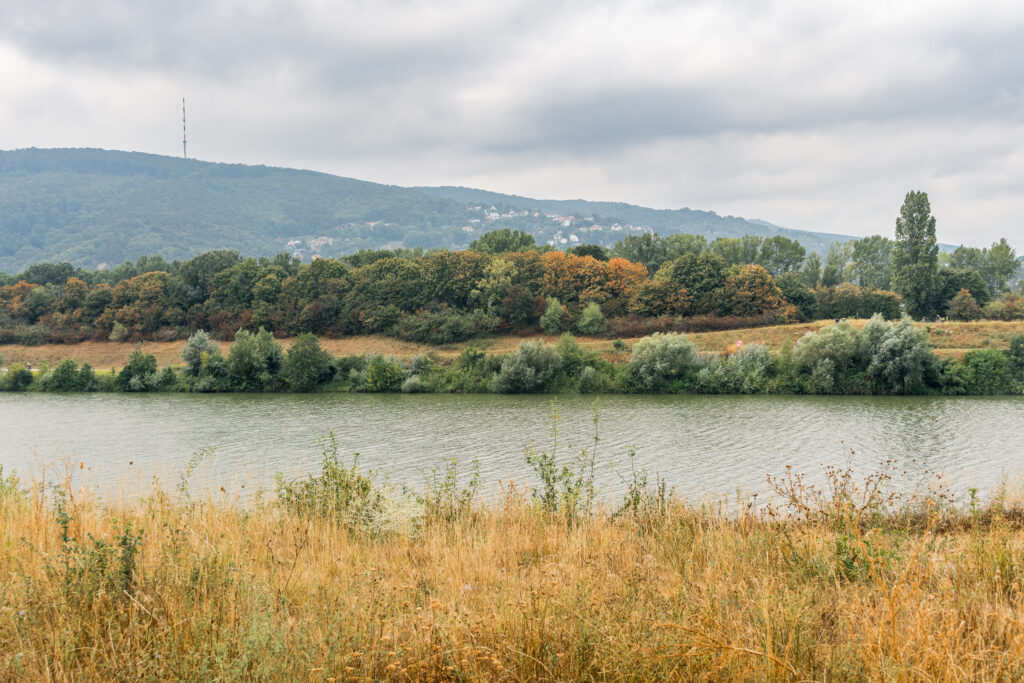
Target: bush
(748,371)
(306,366)
(553,319)
(139,374)
(197,352)
(662,362)
(87,378)
(341,494)
(118,333)
(443,326)
(963,307)
(831,357)
(18,378)
(65,377)
(984,372)
(383,373)
(529,369)
(592,320)
(421,379)
(254,362)
(900,358)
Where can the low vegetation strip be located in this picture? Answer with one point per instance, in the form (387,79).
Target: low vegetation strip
(339,578)
(946,338)
(865,357)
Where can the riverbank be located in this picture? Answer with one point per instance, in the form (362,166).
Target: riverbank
(949,339)
(874,357)
(334,582)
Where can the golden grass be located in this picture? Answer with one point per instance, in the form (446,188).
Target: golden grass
(950,339)
(507,593)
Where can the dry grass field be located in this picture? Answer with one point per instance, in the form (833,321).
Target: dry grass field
(170,589)
(950,339)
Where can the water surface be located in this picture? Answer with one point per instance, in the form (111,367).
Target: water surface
(701,445)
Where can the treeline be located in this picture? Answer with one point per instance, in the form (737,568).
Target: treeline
(506,283)
(436,297)
(883,358)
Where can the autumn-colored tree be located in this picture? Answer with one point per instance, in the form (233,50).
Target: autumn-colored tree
(573,279)
(749,290)
(622,283)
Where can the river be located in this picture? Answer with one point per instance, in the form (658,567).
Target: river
(703,446)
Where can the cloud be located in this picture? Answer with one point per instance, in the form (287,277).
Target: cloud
(813,115)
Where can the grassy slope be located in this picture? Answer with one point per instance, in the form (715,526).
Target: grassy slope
(508,593)
(949,339)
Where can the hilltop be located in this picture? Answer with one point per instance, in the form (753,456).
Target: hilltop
(98,208)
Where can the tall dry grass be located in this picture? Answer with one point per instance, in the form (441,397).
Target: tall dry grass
(850,583)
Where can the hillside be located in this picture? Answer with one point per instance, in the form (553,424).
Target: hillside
(663,221)
(96,207)
(91,207)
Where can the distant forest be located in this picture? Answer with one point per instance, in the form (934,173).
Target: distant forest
(96,209)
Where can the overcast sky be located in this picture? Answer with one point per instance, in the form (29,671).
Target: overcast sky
(812,115)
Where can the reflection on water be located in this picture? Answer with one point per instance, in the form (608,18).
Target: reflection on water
(701,445)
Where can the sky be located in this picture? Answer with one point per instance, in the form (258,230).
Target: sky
(811,115)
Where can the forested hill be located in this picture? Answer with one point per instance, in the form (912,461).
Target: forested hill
(96,207)
(662,221)
(91,207)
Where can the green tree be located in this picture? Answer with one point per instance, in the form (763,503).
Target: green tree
(683,243)
(781,255)
(592,319)
(963,307)
(810,274)
(65,377)
(872,262)
(254,361)
(835,265)
(701,275)
(306,366)
(647,248)
(139,374)
(737,251)
(503,241)
(595,250)
(1000,265)
(553,319)
(915,256)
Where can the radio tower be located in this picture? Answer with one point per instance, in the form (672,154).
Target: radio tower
(184,136)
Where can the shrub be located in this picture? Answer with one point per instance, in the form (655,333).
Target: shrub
(661,362)
(383,373)
(18,378)
(197,351)
(963,307)
(592,320)
(831,357)
(901,360)
(985,371)
(345,495)
(554,316)
(443,326)
(748,371)
(1016,354)
(139,374)
(65,377)
(254,362)
(421,375)
(118,332)
(306,366)
(530,368)
(87,378)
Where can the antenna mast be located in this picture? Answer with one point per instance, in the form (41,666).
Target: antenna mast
(184,136)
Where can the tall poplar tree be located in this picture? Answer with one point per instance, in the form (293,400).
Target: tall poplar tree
(915,255)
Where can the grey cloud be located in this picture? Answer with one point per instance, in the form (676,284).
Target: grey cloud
(728,106)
